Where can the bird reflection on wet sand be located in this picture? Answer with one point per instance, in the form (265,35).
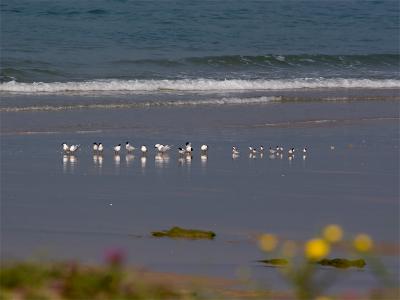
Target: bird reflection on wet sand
(117,160)
(70,163)
(161,160)
(129,158)
(143,161)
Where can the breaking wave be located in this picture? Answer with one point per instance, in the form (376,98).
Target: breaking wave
(194,85)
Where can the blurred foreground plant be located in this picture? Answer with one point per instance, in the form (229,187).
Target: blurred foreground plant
(299,265)
(33,280)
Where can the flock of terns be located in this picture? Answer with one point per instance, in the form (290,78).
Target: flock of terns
(185,150)
(98,148)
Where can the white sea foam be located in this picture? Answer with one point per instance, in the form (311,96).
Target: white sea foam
(220,101)
(193,85)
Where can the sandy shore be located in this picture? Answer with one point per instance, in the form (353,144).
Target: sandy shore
(66,209)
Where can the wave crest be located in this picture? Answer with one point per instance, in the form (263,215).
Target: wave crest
(195,85)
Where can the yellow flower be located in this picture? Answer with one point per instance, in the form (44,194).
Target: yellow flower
(268,242)
(363,242)
(333,233)
(316,249)
(289,248)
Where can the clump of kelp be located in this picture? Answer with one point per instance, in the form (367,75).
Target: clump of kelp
(340,263)
(34,280)
(182,233)
(275,261)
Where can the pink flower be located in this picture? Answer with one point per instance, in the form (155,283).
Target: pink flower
(115,257)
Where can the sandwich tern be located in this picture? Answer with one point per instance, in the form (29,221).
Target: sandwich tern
(204,148)
(188,147)
(143,149)
(73,149)
(162,148)
(117,149)
(129,148)
(100,148)
(252,150)
(65,147)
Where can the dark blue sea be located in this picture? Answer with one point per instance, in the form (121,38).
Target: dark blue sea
(152,46)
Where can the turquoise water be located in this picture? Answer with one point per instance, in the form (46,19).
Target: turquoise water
(195,45)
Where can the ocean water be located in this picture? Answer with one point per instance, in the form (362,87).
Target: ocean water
(159,47)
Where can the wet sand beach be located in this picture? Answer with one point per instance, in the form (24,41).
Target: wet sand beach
(78,207)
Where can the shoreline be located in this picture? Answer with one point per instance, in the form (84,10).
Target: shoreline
(198,118)
(298,124)
(170,99)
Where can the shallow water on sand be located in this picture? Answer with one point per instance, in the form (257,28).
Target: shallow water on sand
(77,207)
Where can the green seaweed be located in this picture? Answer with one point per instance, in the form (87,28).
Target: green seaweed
(275,261)
(177,232)
(342,263)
